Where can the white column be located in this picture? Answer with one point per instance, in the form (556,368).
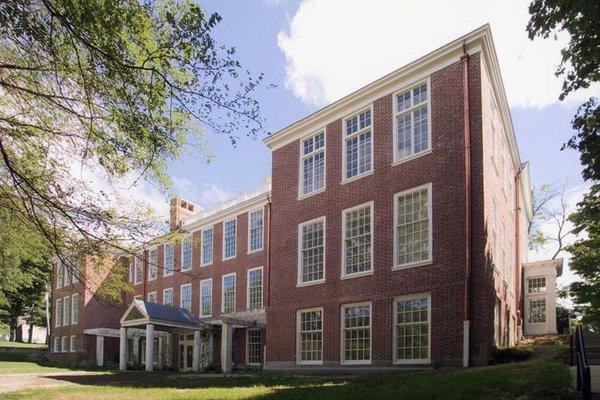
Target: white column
(160,352)
(169,351)
(466,324)
(196,352)
(149,347)
(123,349)
(100,351)
(226,347)
(135,340)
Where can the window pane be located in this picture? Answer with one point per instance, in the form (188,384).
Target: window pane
(186,297)
(256,230)
(312,252)
(357,241)
(412,122)
(228,293)
(206,298)
(168,297)
(207,246)
(169,258)
(412,227)
(187,254)
(255,289)
(152,264)
(537,311)
(311,336)
(229,232)
(412,329)
(356,333)
(254,346)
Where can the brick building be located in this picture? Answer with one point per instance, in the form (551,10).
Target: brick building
(394,235)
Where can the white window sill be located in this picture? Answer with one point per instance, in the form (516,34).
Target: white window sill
(313,193)
(206,265)
(357,177)
(309,362)
(410,362)
(311,283)
(228,258)
(410,158)
(357,274)
(255,251)
(412,265)
(367,362)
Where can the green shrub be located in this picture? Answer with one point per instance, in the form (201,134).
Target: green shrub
(511,354)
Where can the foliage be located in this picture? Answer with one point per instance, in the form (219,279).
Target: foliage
(511,354)
(563,320)
(108,90)
(580,67)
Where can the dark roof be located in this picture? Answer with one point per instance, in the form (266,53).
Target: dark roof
(161,312)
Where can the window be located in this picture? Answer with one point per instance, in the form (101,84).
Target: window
(310,336)
(207,246)
(168,297)
(413,227)
(228,301)
(537,311)
(66,311)
(358,240)
(137,270)
(229,242)
(255,292)
(64,345)
(59,274)
(169,259)
(152,297)
(358,148)
(356,333)
(186,296)
(253,347)
(58,317)
(72,346)
(536,285)
(152,264)
(312,162)
(74,309)
(206,298)
(312,251)
(130,277)
(412,126)
(56,345)
(411,329)
(255,230)
(186,254)
(67,276)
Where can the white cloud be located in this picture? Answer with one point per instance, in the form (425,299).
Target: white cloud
(334,47)
(203,194)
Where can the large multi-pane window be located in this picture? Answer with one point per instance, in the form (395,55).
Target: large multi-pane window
(58,313)
(67,276)
(168,297)
(358,240)
(253,347)
(59,274)
(356,333)
(186,254)
(229,238)
(228,299)
(310,336)
(56,346)
(72,344)
(137,270)
(412,122)
(206,298)
(536,285)
(64,344)
(358,144)
(74,309)
(411,334)
(66,311)
(312,251)
(152,264)
(169,259)
(255,288)
(537,311)
(313,164)
(186,296)
(255,230)
(207,246)
(151,297)
(413,226)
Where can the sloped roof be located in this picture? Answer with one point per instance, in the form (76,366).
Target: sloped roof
(144,312)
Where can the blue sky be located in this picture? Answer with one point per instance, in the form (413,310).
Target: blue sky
(258,29)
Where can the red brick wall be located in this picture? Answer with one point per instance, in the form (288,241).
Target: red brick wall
(444,278)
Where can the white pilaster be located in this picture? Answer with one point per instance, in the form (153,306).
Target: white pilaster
(123,349)
(100,351)
(135,340)
(226,347)
(149,347)
(196,352)
(466,324)
(160,352)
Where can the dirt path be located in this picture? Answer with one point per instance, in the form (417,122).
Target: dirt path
(16,382)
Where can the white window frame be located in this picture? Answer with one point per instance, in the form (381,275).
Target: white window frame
(248,346)
(262,237)
(224,258)
(223,292)
(165,291)
(345,138)
(137,277)
(395,113)
(191,241)
(58,308)
(66,318)
(429,260)
(56,348)
(262,291)
(395,333)
(72,344)
(212,235)
(343,274)
(64,344)
(149,263)
(74,306)
(299,281)
(343,360)
(302,157)
(166,271)
(299,313)
(181,295)
(202,297)
(537,298)
(530,278)
(154,294)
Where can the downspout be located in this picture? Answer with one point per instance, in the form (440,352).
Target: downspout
(467,137)
(268,255)
(518,275)
(145,277)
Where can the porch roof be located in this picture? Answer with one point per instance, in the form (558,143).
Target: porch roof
(143,312)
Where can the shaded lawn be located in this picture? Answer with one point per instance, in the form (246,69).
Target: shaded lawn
(22,345)
(509,381)
(28,367)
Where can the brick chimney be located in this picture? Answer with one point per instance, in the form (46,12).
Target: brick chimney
(181,210)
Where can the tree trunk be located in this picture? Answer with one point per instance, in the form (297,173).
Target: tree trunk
(30,333)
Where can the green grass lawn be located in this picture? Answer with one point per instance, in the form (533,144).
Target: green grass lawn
(22,345)
(549,380)
(27,367)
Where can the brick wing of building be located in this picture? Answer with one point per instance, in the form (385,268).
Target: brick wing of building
(393,235)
